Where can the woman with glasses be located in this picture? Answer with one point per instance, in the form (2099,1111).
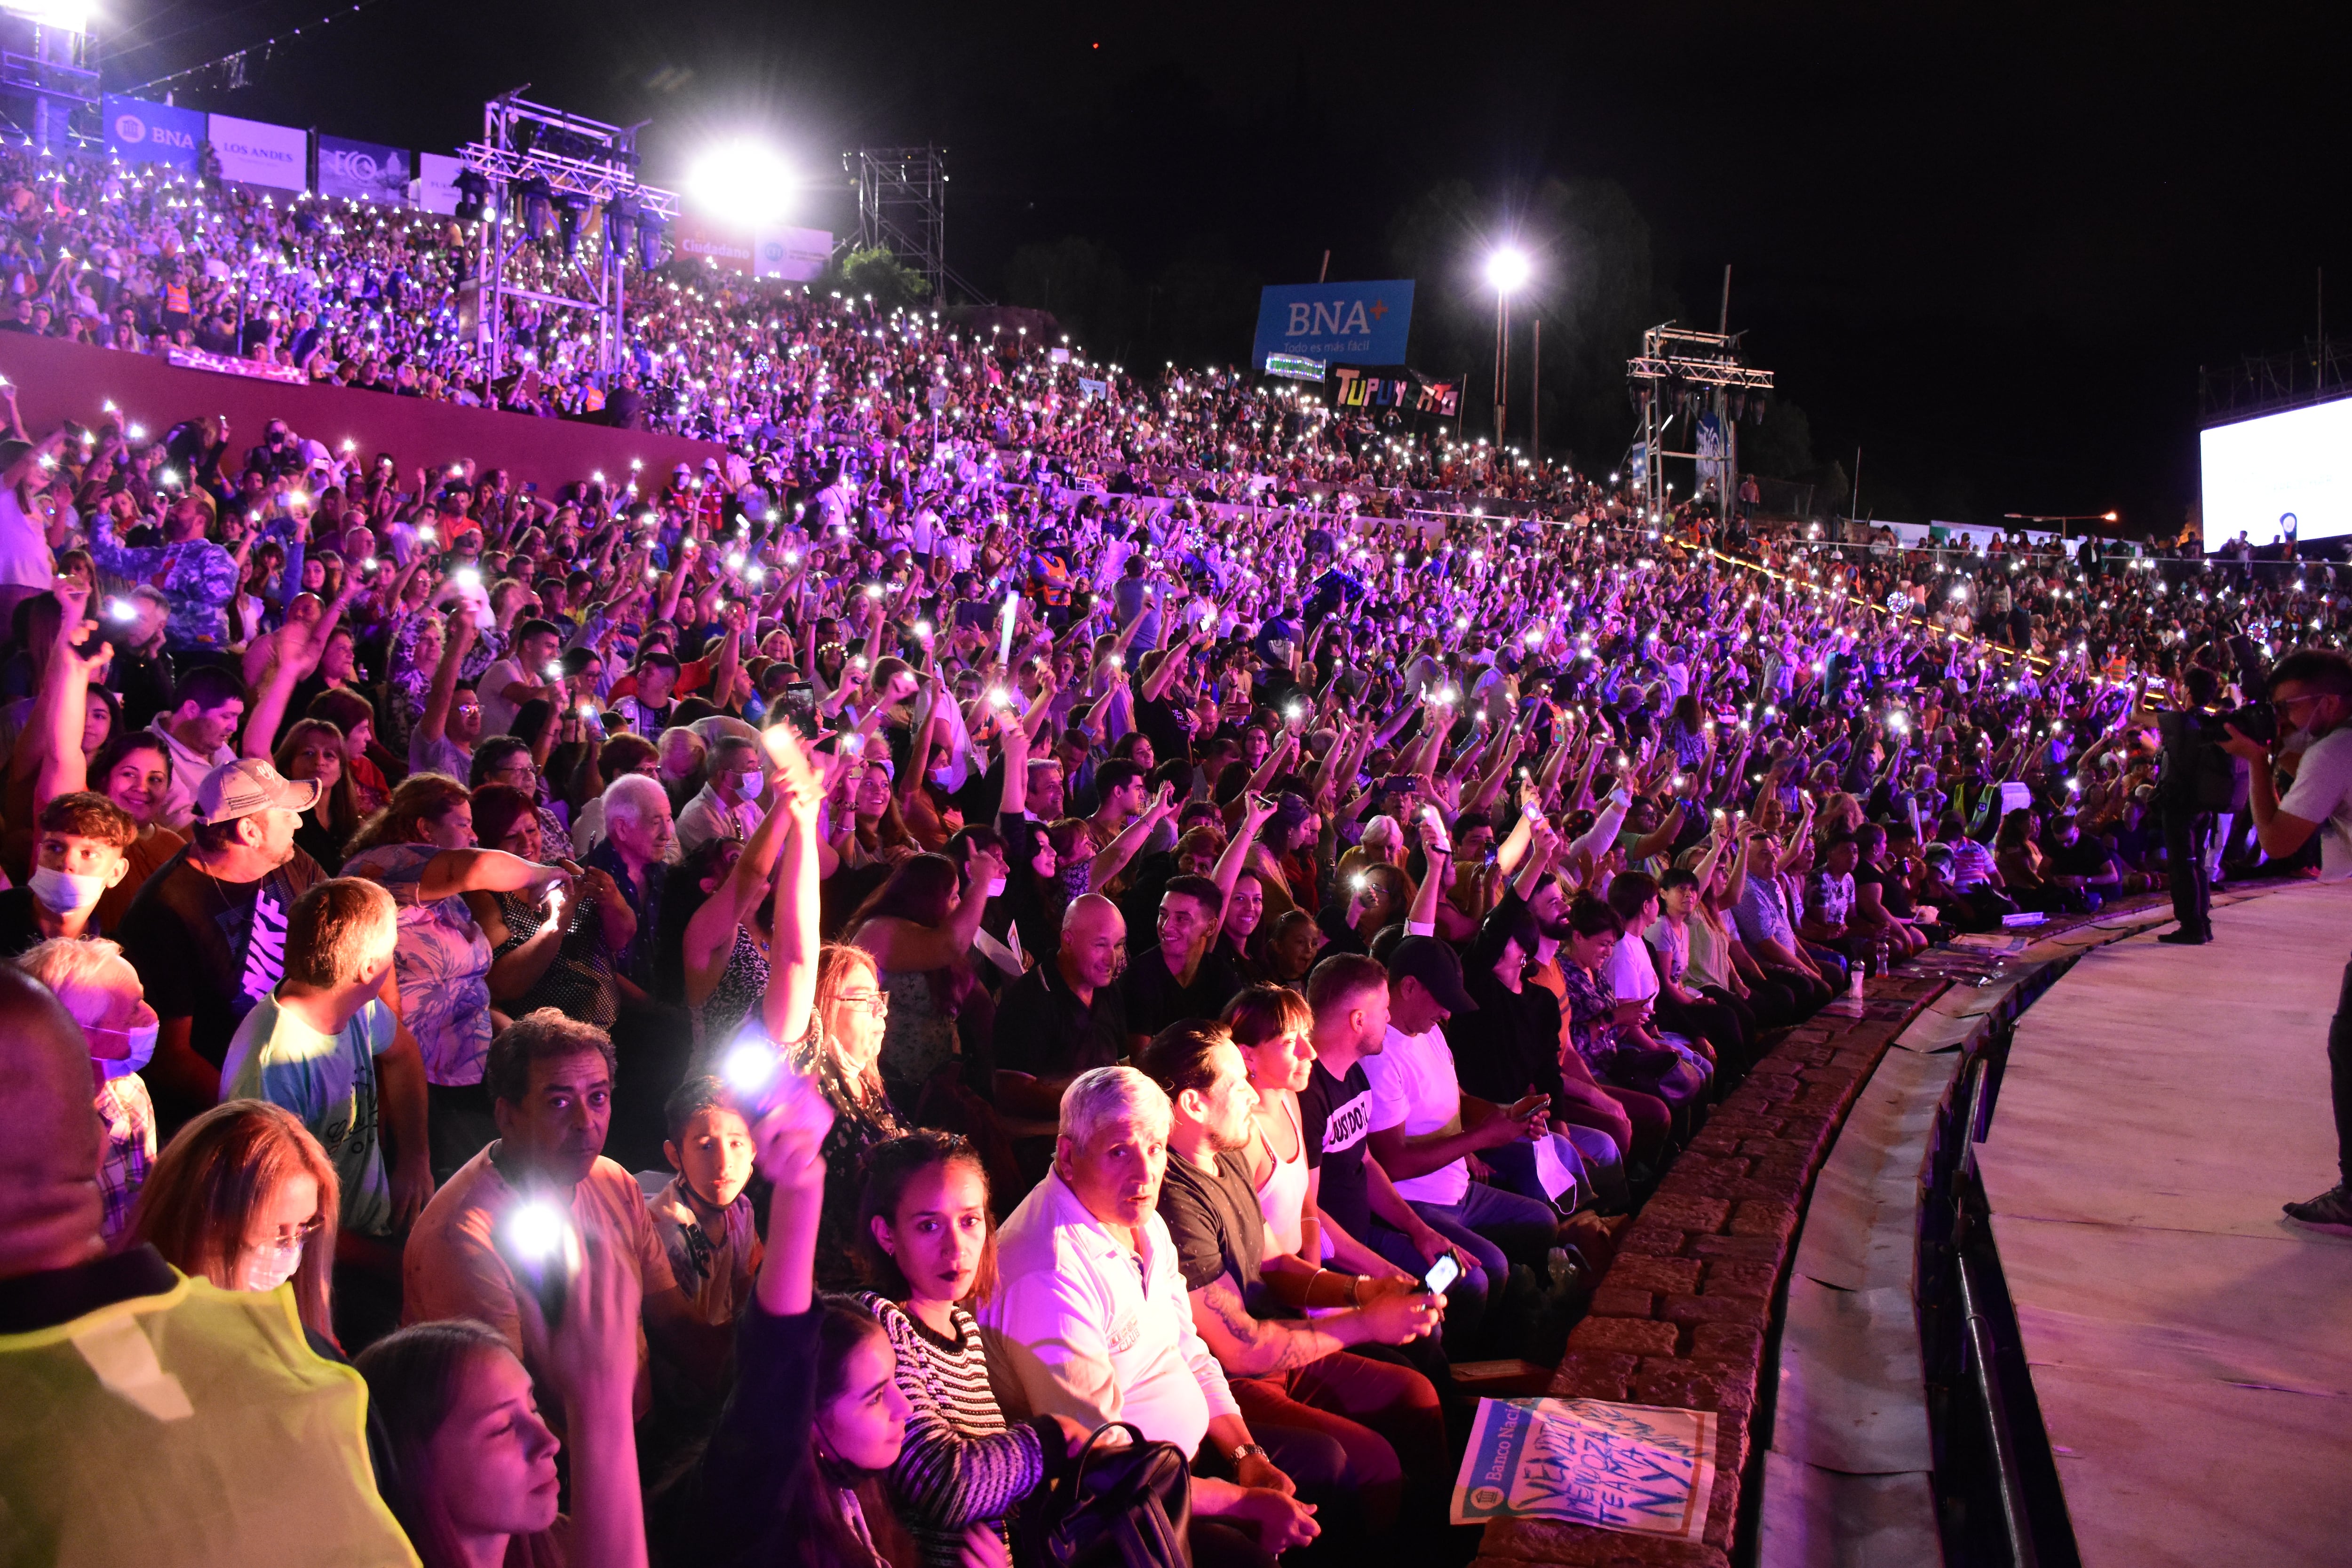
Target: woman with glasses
(244,1197)
(843,1052)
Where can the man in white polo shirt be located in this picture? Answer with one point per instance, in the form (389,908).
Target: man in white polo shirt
(1424,1128)
(1092,1319)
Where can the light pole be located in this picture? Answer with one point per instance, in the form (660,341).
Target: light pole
(1507,270)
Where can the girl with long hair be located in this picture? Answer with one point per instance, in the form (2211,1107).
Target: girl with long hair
(918,925)
(929,1247)
(313,749)
(471,1471)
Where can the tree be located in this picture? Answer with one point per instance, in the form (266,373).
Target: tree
(1084,286)
(875,271)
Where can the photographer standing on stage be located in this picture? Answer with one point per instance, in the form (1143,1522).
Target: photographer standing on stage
(2311,690)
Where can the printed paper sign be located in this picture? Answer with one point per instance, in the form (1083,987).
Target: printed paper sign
(1641,1468)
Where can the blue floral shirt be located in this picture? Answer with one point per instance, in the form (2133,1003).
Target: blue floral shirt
(196,577)
(443,964)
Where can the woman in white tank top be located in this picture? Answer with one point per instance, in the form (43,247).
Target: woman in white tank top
(1272,1028)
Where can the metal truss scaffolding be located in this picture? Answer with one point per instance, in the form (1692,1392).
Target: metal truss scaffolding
(1682,372)
(902,208)
(569,185)
(48,79)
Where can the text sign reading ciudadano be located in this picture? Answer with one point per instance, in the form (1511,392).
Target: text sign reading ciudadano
(1363,322)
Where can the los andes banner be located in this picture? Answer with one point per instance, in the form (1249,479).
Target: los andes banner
(141,132)
(363,171)
(252,152)
(1366,323)
(1394,386)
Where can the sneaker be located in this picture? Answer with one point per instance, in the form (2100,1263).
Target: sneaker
(2331,1210)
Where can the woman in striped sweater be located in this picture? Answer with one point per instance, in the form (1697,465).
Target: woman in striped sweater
(925,1235)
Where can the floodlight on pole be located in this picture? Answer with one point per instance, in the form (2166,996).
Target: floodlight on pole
(1506,271)
(744,183)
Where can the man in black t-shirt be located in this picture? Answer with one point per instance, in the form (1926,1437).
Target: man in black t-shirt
(1184,975)
(1063,1017)
(207,932)
(1349,994)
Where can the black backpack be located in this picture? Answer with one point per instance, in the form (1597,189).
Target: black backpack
(1120,1506)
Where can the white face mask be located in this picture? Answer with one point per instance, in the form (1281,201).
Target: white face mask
(748,784)
(142,1040)
(996,887)
(267,1267)
(66,892)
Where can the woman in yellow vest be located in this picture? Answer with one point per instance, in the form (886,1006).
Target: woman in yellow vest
(146,1416)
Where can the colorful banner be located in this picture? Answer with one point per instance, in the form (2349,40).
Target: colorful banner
(1365,322)
(229,364)
(363,171)
(141,132)
(253,153)
(1712,452)
(1641,1468)
(435,186)
(1394,386)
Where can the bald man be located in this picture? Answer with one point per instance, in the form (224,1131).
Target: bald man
(246,1444)
(1064,1016)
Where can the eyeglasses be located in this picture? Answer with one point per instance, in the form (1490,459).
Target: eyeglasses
(290,1238)
(875,1002)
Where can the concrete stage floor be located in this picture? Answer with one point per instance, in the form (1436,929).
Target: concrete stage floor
(2191,1347)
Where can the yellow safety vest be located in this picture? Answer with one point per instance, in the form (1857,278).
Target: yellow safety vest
(197,1428)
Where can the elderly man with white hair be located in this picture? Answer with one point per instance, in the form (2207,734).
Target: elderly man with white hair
(1092,1320)
(101,991)
(640,841)
(652,1036)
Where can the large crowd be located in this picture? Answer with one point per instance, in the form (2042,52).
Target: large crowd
(748,1015)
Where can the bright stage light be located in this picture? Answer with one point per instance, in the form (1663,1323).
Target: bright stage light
(743,182)
(73,16)
(1507,270)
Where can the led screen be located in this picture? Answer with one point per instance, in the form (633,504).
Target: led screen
(2260,469)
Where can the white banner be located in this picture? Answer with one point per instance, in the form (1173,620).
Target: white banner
(435,186)
(253,153)
(795,255)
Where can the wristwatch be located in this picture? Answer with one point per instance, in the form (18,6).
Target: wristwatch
(1245,1451)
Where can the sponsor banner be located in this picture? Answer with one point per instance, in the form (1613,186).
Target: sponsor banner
(794,255)
(435,186)
(363,171)
(141,132)
(229,364)
(1639,1468)
(253,153)
(1394,386)
(1364,323)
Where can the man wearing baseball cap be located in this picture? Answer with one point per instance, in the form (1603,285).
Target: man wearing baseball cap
(207,932)
(1424,1128)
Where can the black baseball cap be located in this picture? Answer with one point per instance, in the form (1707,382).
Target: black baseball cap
(1436,966)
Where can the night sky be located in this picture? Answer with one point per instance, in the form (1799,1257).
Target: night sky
(1989,245)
